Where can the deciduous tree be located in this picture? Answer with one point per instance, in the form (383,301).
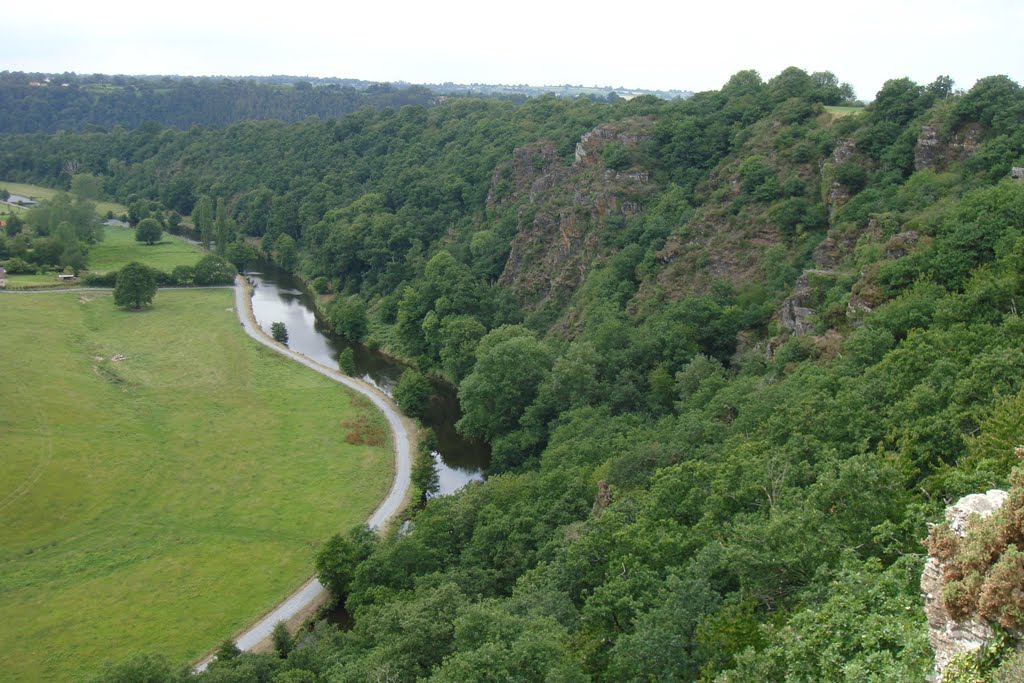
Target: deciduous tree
(149,231)
(135,287)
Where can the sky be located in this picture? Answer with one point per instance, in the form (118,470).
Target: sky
(629,44)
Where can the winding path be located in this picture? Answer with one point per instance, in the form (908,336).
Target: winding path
(402,433)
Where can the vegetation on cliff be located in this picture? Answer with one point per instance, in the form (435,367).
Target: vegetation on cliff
(769,341)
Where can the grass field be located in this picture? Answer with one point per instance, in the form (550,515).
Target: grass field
(843,111)
(163,501)
(39,193)
(40,281)
(119,248)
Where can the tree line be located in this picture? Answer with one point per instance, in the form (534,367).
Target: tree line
(32,103)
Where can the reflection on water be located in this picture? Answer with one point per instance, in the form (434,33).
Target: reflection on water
(276,298)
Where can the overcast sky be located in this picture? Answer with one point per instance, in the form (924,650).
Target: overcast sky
(640,43)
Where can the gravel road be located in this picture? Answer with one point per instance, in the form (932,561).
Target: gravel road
(402,433)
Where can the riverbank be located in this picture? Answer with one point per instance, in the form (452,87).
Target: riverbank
(278,296)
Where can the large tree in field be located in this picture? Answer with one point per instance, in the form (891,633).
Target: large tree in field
(149,231)
(135,286)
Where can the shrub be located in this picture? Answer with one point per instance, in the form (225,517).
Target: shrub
(100,279)
(17,266)
(413,393)
(182,275)
(984,570)
(213,270)
(279,332)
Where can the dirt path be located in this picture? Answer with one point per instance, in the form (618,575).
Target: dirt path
(312,594)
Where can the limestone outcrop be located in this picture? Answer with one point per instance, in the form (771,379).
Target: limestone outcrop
(948,636)
(937,152)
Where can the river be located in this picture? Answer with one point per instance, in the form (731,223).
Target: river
(279,297)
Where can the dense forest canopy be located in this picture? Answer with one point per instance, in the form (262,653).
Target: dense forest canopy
(731,353)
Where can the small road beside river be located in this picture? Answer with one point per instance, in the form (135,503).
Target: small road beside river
(403,435)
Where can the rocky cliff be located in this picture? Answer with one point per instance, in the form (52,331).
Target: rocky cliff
(563,213)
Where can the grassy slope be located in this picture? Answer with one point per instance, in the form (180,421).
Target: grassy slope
(164,501)
(837,111)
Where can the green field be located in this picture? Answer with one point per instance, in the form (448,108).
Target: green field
(39,193)
(38,281)
(119,248)
(165,500)
(843,111)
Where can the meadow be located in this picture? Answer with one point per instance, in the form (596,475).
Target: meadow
(165,479)
(838,111)
(39,193)
(119,248)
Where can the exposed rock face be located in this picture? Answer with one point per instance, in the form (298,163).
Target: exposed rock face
(947,636)
(1017,172)
(838,194)
(565,210)
(603,498)
(532,169)
(795,314)
(592,142)
(935,153)
(834,249)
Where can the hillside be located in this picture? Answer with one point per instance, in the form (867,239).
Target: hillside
(731,354)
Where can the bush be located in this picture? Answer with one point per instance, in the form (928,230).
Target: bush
(279,332)
(17,266)
(852,175)
(413,393)
(182,275)
(100,279)
(984,570)
(213,270)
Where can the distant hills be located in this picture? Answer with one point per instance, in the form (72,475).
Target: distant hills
(47,103)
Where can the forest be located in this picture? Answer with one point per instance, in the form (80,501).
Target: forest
(732,355)
(34,103)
